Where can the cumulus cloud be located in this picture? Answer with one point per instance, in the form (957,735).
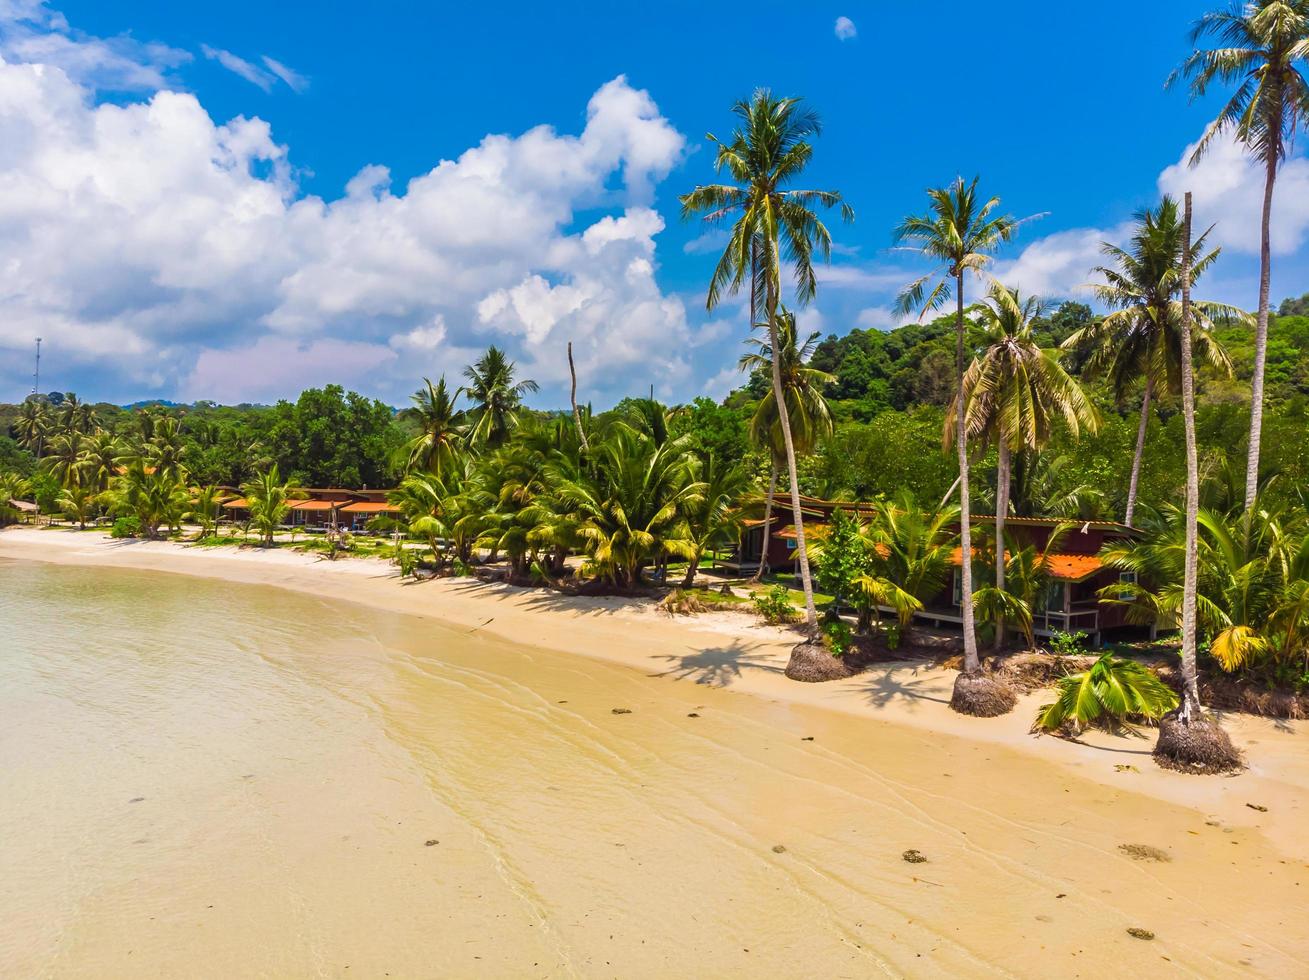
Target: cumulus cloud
(31,32)
(845,28)
(161,249)
(1228,185)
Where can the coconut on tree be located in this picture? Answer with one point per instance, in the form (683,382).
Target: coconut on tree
(773,224)
(960,232)
(1262,48)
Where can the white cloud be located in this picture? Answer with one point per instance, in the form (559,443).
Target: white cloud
(155,247)
(1059,265)
(296,81)
(880,318)
(1228,185)
(30,32)
(845,28)
(239,66)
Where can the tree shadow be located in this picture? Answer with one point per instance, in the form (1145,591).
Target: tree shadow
(882,687)
(717,666)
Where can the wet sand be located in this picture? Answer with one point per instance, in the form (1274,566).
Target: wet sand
(293,753)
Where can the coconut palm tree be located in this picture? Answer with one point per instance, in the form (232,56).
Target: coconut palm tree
(1014,392)
(495,395)
(65,457)
(1262,48)
(959,233)
(79,503)
(206,506)
(12,487)
(774,223)
(810,418)
(440,437)
(33,424)
(155,499)
(1141,337)
(1111,690)
(712,516)
(270,501)
(100,459)
(75,415)
(912,546)
(165,448)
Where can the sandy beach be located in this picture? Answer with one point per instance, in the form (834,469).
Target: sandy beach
(1035,825)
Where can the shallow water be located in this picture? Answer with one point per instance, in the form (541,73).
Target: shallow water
(206,779)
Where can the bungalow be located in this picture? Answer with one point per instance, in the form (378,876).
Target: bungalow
(322,508)
(1076,572)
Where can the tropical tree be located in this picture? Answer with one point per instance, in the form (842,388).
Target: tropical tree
(206,507)
(270,499)
(773,223)
(75,415)
(33,424)
(846,564)
(1262,48)
(79,503)
(100,459)
(959,233)
(913,547)
(1015,392)
(440,436)
(1141,337)
(64,461)
(802,386)
(164,449)
(632,502)
(1110,691)
(155,499)
(712,515)
(12,487)
(496,397)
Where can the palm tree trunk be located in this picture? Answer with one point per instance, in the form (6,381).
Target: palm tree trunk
(1260,338)
(1001,511)
(572,394)
(971,664)
(768,520)
(691,568)
(1140,451)
(784,419)
(1190,707)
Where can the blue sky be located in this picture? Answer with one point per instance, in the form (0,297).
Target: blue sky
(257,279)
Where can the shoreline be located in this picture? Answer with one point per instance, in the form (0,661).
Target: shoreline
(731,652)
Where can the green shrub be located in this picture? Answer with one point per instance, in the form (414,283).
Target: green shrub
(1068,644)
(126,527)
(775,605)
(893,636)
(406,561)
(836,636)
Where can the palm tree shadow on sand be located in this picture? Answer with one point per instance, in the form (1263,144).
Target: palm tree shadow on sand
(885,686)
(717,666)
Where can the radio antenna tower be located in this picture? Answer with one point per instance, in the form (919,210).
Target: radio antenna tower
(36,375)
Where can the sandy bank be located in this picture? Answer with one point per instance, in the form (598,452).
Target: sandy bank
(732,652)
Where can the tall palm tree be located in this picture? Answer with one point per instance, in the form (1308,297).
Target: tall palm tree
(1186,736)
(1141,337)
(774,224)
(439,437)
(32,424)
(76,415)
(100,459)
(495,395)
(959,232)
(64,460)
(165,448)
(1013,393)
(1262,47)
(802,385)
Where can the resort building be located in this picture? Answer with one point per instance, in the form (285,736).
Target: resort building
(323,508)
(1074,569)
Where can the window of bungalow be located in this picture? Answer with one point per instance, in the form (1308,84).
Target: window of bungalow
(1052,597)
(1127,578)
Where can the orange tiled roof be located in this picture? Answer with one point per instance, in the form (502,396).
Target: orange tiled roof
(240,503)
(1061,565)
(370,507)
(315,504)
